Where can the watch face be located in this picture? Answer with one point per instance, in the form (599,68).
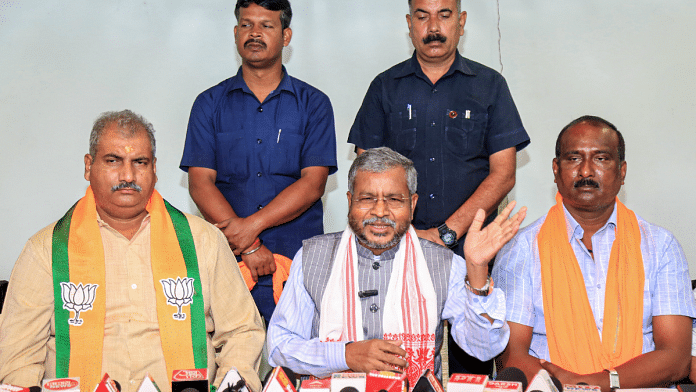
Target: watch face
(448,238)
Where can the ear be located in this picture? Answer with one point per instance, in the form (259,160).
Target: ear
(408,22)
(88,165)
(623,172)
(287,36)
(350,199)
(462,22)
(554,167)
(414,201)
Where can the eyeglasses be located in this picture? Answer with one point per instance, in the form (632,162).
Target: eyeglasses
(392,202)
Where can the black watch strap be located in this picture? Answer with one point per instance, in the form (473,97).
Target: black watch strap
(448,236)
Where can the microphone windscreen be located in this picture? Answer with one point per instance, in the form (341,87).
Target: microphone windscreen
(35,388)
(556,382)
(291,375)
(513,374)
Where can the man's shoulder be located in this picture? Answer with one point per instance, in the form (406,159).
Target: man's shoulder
(655,232)
(306,91)
(433,247)
(43,236)
(524,237)
(322,239)
(396,70)
(213,94)
(480,69)
(200,226)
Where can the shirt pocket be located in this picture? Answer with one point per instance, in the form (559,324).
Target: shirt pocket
(465,136)
(285,158)
(232,156)
(402,135)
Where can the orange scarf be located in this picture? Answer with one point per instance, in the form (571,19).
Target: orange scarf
(574,343)
(279,276)
(79,278)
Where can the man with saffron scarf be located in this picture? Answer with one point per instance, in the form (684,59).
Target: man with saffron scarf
(125,283)
(596,294)
(373,296)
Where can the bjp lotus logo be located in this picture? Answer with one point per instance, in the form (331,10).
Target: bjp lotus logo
(77,299)
(179,293)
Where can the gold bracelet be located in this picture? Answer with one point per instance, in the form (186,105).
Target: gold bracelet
(483,291)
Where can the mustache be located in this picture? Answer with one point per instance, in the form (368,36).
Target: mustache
(255,41)
(434,37)
(375,219)
(586,182)
(126,185)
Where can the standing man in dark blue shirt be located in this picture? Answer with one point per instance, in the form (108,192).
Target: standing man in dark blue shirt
(454,118)
(259,148)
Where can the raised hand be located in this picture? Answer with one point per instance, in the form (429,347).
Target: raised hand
(481,246)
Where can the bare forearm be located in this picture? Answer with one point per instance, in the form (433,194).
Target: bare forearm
(487,196)
(668,363)
(657,368)
(489,193)
(528,364)
(208,198)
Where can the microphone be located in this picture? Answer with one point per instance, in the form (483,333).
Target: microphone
(386,381)
(348,382)
(148,384)
(69,384)
(543,382)
(12,388)
(581,387)
(427,382)
(233,382)
(106,385)
(190,380)
(513,374)
(467,382)
(320,385)
(279,381)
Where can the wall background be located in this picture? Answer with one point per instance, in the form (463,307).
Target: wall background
(63,63)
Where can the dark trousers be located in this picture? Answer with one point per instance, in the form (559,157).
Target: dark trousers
(461,362)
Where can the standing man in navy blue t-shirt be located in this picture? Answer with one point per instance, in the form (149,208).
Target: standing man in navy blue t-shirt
(454,118)
(259,148)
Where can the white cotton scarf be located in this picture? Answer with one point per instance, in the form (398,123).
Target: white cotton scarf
(410,308)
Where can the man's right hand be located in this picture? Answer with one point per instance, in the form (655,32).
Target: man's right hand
(260,263)
(375,354)
(240,233)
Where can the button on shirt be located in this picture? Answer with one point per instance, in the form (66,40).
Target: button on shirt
(449,130)
(292,338)
(667,288)
(259,149)
(132,344)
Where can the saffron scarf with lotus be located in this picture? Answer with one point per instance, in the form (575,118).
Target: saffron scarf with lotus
(574,343)
(79,288)
(410,304)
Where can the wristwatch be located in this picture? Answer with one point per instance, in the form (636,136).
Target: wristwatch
(448,236)
(613,379)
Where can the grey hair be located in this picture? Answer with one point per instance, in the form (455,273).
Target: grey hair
(379,160)
(458,2)
(129,124)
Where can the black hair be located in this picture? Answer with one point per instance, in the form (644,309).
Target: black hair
(595,122)
(272,5)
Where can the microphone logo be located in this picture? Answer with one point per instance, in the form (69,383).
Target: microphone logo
(179,293)
(77,299)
